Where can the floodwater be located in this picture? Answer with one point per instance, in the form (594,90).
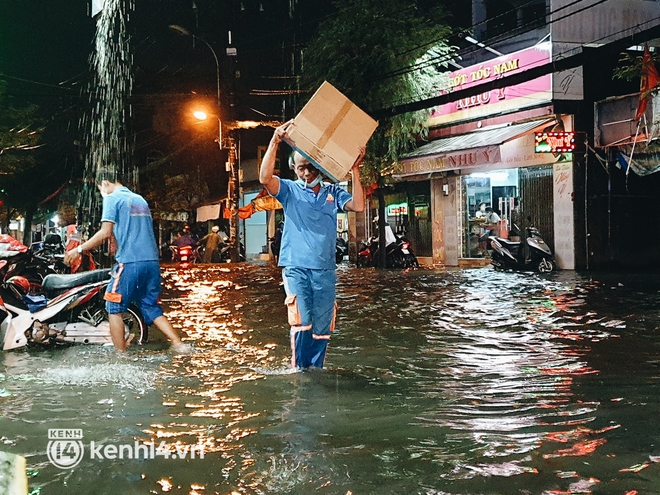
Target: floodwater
(464,381)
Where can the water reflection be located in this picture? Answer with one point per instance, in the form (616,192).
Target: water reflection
(457,382)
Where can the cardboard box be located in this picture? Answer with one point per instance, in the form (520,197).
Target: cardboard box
(329,131)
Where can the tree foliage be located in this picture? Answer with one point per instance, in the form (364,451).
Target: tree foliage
(629,67)
(20,137)
(365,50)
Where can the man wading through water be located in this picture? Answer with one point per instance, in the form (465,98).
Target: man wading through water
(136,275)
(307,252)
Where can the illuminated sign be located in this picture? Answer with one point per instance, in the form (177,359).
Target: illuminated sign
(554,142)
(398,209)
(526,94)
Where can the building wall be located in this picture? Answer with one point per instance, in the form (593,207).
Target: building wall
(444,215)
(564,215)
(602,23)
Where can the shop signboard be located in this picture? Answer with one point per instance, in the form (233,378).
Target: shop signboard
(521,153)
(517,96)
(487,155)
(397,209)
(559,142)
(554,142)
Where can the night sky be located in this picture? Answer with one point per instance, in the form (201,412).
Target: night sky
(44,57)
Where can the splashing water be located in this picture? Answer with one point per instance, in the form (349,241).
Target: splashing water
(105,122)
(121,375)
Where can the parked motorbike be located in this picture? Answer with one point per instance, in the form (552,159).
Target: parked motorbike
(399,254)
(508,254)
(71,310)
(341,249)
(51,251)
(32,267)
(225,251)
(50,246)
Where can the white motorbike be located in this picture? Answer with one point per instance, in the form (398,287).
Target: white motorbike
(66,309)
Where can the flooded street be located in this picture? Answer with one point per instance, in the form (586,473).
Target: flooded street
(463,381)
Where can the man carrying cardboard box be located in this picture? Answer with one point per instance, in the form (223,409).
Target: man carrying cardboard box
(307,252)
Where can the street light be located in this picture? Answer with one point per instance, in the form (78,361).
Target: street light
(233,189)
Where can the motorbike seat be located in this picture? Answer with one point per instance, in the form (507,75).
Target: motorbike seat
(508,243)
(56,282)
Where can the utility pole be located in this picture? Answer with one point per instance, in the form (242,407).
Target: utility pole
(229,143)
(234,192)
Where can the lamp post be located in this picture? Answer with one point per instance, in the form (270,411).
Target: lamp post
(233,188)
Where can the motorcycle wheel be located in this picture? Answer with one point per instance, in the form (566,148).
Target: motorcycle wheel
(135,327)
(396,261)
(545,265)
(362,262)
(411,261)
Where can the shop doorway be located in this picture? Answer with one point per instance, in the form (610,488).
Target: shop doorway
(494,189)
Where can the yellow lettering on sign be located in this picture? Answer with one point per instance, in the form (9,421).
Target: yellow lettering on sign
(505,67)
(480,74)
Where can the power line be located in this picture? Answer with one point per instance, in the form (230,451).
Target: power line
(557,65)
(444,58)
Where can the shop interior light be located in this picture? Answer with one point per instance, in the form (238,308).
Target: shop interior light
(496,175)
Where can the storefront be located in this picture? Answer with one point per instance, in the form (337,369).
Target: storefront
(495,166)
(483,151)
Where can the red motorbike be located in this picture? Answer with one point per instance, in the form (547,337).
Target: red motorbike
(185,254)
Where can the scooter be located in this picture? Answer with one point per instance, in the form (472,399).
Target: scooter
(399,254)
(70,310)
(508,254)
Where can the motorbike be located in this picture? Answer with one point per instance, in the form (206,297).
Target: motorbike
(399,254)
(70,310)
(31,266)
(225,251)
(341,250)
(185,254)
(51,246)
(51,252)
(509,254)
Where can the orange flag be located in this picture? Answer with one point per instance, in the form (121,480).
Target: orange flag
(245,212)
(650,79)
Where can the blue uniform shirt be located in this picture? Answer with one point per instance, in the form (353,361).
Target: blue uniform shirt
(310,224)
(133,227)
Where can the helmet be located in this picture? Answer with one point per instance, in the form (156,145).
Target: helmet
(215,228)
(19,285)
(53,239)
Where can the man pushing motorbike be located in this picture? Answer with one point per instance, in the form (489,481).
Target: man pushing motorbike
(307,252)
(136,274)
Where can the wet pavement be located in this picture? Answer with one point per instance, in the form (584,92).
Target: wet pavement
(462,381)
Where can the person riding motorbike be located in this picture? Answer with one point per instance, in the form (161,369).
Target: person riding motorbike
(184,239)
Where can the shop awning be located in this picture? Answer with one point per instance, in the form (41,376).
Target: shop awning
(480,147)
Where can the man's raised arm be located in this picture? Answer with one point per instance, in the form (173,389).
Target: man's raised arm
(267,169)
